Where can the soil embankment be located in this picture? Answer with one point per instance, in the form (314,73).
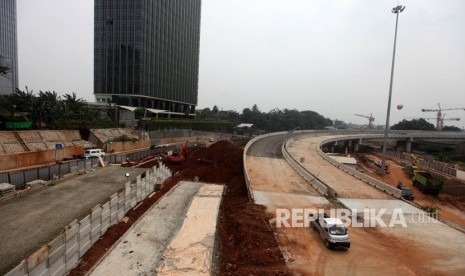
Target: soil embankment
(246,245)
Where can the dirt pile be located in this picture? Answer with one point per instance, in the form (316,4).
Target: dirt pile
(246,245)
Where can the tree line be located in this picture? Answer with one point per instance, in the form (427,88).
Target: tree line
(272,121)
(48,110)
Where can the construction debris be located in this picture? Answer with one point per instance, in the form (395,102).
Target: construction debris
(6,189)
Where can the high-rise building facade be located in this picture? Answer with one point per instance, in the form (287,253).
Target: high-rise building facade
(8,47)
(146,53)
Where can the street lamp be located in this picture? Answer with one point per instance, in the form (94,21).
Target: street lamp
(395,10)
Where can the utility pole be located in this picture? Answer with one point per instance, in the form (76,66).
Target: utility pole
(395,10)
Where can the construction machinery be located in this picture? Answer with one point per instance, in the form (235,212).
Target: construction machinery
(370,118)
(423,179)
(179,156)
(439,116)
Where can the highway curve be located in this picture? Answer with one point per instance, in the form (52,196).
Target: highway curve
(411,250)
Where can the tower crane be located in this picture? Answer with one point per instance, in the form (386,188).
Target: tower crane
(441,123)
(370,119)
(439,116)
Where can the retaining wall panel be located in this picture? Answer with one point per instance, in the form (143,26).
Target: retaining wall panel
(40,270)
(113,209)
(58,268)
(56,249)
(121,204)
(71,261)
(106,211)
(96,223)
(84,245)
(72,248)
(37,262)
(19,270)
(71,230)
(84,227)
(105,225)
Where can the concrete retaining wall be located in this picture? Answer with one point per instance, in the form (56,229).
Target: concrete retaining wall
(461,174)
(246,148)
(444,168)
(126,146)
(368,179)
(63,253)
(311,179)
(28,159)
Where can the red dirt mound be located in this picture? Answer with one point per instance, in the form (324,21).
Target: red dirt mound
(246,245)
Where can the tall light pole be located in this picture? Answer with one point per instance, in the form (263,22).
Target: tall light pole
(395,10)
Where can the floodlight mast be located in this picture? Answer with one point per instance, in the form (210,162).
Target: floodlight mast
(395,10)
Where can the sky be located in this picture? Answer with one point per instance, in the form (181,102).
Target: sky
(331,57)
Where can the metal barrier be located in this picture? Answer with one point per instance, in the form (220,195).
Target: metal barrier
(51,172)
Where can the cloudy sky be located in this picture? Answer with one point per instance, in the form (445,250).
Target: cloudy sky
(332,57)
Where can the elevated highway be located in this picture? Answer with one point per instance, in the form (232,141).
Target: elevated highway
(413,250)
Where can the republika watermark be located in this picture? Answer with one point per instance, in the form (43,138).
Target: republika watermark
(302,217)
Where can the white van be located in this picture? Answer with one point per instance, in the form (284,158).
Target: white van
(89,153)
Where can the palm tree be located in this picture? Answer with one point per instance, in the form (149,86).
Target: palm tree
(72,107)
(47,108)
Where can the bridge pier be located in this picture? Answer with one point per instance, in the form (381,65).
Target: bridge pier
(408,146)
(355,145)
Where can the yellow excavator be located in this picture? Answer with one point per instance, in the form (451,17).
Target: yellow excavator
(416,166)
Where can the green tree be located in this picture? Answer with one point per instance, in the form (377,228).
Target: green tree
(415,124)
(451,128)
(47,109)
(24,100)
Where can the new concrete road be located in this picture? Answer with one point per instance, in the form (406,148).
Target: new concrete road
(30,221)
(422,247)
(174,237)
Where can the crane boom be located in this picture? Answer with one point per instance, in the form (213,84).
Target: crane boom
(370,118)
(439,117)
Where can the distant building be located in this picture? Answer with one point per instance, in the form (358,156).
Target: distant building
(8,46)
(245,129)
(146,53)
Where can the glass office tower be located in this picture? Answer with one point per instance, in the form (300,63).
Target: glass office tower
(146,53)
(8,47)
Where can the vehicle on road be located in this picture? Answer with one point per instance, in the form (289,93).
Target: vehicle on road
(332,231)
(93,153)
(406,192)
(426,183)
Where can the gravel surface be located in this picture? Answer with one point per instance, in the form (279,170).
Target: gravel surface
(33,220)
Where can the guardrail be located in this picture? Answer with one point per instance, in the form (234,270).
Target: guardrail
(304,173)
(64,252)
(246,148)
(368,179)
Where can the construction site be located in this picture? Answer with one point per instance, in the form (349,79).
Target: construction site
(203,207)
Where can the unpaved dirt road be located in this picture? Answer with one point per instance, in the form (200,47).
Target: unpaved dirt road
(413,250)
(451,209)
